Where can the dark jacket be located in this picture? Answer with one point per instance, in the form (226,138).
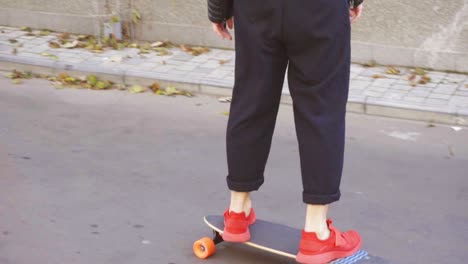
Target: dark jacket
(221,10)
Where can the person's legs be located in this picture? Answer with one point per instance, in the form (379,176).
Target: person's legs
(318,75)
(259,75)
(317,39)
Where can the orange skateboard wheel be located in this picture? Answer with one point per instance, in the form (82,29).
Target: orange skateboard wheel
(204,248)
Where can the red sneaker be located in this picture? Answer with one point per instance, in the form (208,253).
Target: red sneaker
(338,245)
(236,226)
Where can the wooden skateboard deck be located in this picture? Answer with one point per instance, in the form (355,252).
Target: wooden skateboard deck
(275,238)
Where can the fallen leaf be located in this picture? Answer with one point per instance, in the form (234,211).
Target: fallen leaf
(30,34)
(97,48)
(185,48)
(146,46)
(86,85)
(226,113)
(65,36)
(225,99)
(28,75)
(378,76)
(136,16)
(28,29)
(419,71)
(121,87)
(369,64)
(62,76)
(70,45)
(136,89)
(70,80)
(133,45)
(92,80)
(83,37)
(199,50)
(113,42)
(393,71)
(101,85)
(158,44)
(155,87)
(15,74)
(171,90)
(425,79)
(14,51)
(143,51)
(54,45)
(162,51)
(115,19)
(222,62)
(52,56)
(44,33)
(13,41)
(16,81)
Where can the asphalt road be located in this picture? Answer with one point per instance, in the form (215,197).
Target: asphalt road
(109,177)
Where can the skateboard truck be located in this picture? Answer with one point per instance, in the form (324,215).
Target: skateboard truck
(217,238)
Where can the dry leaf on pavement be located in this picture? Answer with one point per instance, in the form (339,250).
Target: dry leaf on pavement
(70,45)
(155,87)
(54,45)
(225,99)
(52,56)
(419,71)
(393,71)
(370,64)
(136,89)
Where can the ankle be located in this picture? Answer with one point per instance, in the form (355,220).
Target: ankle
(323,234)
(247,206)
(321,231)
(240,202)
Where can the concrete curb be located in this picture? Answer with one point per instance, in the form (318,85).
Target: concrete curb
(361,105)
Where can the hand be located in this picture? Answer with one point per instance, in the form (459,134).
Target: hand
(355,13)
(221,29)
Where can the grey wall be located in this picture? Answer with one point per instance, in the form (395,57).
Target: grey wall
(425,33)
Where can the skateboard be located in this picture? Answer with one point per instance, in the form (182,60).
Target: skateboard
(274,238)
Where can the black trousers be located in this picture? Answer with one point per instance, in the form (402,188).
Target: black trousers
(311,40)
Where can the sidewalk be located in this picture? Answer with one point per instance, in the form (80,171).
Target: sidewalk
(374,90)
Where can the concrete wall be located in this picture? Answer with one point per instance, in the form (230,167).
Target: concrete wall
(425,33)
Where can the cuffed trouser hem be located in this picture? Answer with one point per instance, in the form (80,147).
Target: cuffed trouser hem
(244,186)
(320,199)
